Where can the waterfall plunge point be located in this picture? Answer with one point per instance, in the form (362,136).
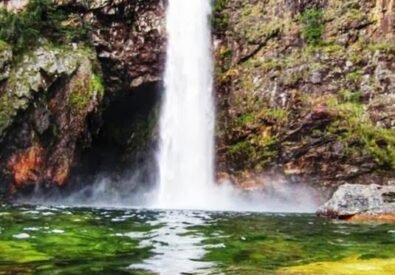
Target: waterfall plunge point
(186,154)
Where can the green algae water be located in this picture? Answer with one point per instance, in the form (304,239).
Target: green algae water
(59,240)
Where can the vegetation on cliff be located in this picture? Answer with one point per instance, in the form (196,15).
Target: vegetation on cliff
(313,26)
(40,19)
(307,89)
(53,59)
(48,89)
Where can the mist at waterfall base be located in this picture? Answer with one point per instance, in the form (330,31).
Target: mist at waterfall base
(185,157)
(277,196)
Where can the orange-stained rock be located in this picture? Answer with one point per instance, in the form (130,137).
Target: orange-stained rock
(320,112)
(373,218)
(246,181)
(223,177)
(249,184)
(26,166)
(60,173)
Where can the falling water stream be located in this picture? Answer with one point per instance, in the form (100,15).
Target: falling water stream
(186,156)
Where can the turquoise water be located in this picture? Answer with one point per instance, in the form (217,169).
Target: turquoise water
(42,240)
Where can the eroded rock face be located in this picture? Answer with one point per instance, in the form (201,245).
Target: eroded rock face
(45,102)
(356,200)
(129,37)
(305,89)
(52,97)
(386,14)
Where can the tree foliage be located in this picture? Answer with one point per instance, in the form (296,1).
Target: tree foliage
(40,18)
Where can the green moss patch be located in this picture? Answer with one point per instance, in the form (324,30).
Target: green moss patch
(346,266)
(313,26)
(19,251)
(376,141)
(84,91)
(6,112)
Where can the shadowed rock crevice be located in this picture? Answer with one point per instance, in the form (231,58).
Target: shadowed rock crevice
(115,159)
(127,136)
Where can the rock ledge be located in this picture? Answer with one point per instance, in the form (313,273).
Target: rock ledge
(351,201)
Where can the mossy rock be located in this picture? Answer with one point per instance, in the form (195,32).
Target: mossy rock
(37,70)
(86,91)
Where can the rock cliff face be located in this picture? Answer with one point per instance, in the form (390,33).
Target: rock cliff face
(306,89)
(56,89)
(45,102)
(129,37)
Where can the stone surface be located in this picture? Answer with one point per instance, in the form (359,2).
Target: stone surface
(360,200)
(45,103)
(321,112)
(129,37)
(52,93)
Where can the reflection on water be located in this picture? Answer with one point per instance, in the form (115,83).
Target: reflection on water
(176,247)
(48,240)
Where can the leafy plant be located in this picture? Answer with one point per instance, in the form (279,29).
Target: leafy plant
(376,141)
(312,20)
(220,19)
(40,18)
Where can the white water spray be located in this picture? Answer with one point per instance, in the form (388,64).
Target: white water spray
(186,156)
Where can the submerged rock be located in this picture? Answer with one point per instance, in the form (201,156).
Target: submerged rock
(352,200)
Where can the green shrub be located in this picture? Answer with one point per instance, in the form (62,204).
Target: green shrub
(220,19)
(378,142)
(385,47)
(354,76)
(40,18)
(245,120)
(313,26)
(96,85)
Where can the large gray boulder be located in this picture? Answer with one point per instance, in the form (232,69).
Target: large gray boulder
(357,199)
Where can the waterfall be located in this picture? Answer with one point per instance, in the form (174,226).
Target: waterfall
(186,153)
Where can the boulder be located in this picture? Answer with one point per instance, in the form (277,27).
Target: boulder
(353,200)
